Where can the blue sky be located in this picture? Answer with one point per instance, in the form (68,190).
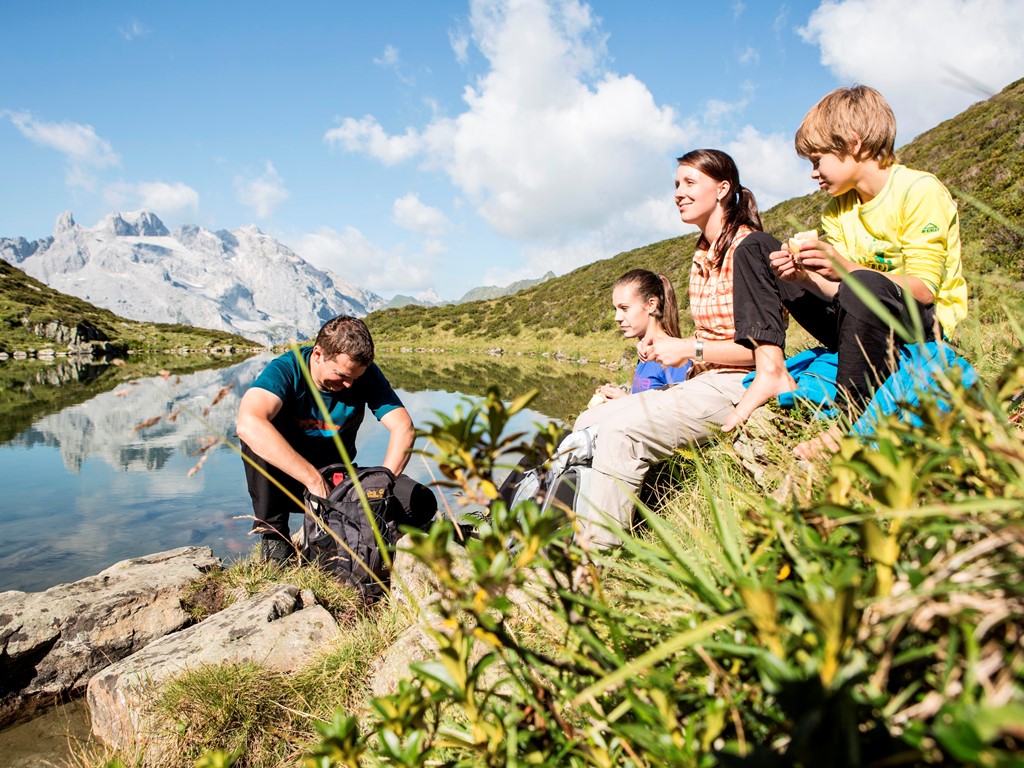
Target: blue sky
(416,146)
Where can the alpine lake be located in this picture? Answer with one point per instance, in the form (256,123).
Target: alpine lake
(105,462)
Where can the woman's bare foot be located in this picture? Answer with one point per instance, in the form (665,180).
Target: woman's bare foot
(825,444)
(763,388)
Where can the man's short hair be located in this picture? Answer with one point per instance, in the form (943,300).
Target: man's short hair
(346,335)
(838,121)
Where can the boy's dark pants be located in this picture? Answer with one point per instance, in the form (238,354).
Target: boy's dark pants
(867,345)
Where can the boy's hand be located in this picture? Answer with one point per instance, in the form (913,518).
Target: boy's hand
(823,260)
(786,266)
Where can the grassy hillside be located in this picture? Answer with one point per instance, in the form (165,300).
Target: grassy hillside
(27,304)
(976,154)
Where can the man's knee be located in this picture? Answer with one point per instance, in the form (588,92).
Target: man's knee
(416,503)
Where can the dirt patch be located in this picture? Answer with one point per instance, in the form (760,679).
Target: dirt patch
(204,598)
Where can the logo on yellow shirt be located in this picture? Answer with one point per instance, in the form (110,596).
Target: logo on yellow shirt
(929,228)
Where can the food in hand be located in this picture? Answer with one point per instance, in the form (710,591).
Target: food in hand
(794,242)
(597,399)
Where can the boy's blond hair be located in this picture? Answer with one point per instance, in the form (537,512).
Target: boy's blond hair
(840,119)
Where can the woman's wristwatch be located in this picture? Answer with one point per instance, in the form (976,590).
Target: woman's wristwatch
(698,349)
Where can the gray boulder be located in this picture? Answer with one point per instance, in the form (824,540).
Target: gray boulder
(279,628)
(52,642)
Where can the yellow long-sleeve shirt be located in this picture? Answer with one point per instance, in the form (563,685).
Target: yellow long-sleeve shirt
(910,228)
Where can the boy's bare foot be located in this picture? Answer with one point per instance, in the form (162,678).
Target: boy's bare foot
(763,388)
(825,444)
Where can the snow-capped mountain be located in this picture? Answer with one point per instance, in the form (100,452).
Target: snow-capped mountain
(241,280)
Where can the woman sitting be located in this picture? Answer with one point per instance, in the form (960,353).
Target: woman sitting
(636,432)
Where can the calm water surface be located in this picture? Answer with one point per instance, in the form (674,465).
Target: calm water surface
(87,486)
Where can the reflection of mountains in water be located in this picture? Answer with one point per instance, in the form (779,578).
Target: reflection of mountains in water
(563,387)
(109,425)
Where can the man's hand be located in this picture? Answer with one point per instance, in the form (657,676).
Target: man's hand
(786,267)
(320,488)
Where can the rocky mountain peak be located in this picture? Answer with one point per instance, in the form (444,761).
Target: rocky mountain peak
(65,223)
(243,281)
(137,224)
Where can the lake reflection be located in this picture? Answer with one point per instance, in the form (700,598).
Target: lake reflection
(88,486)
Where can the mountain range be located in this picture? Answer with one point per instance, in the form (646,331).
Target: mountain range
(241,281)
(480,293)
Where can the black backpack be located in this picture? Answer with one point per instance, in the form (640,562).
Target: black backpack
(343,515)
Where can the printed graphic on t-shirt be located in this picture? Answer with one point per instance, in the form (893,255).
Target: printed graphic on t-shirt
(317,425)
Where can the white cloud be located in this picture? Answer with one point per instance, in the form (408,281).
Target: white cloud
(354,258)
(649,220)
(769,166)
(172,199)
(391,60)
(549,142)
(262,194)
(750,56)
(368,136)
(459,41)
(83,150)
(388,59)
(166,200)
(134,30)
(410,213)
(929,58)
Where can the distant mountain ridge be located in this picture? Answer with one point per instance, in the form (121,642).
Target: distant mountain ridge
(486,292)
(480,293)
(241,281)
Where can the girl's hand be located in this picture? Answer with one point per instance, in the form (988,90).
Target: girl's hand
(611,391)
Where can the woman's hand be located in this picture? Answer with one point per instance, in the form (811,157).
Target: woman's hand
(641,350)
(670,351)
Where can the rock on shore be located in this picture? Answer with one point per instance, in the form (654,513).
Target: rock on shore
(52,642)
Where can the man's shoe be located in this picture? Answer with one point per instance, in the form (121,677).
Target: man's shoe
(277,551)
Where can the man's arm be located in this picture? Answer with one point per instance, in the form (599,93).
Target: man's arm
(257,409)
(402,434)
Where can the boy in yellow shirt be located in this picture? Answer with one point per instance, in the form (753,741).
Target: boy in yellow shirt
(893,230)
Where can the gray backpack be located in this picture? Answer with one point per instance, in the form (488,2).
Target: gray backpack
(564,483)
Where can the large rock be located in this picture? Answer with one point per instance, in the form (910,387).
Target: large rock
(280,628)
(52,642)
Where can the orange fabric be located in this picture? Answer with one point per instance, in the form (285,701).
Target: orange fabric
(711,299)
